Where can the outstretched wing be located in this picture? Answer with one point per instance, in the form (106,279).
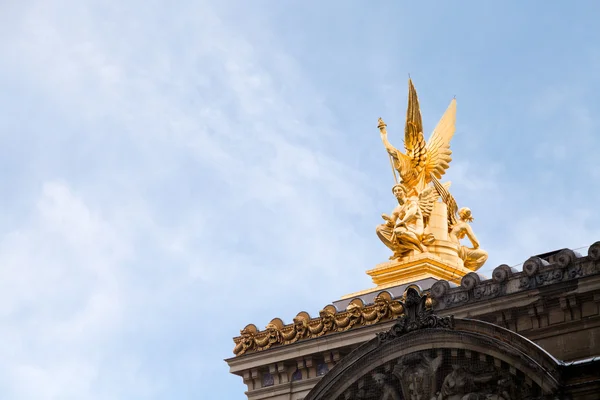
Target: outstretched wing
(442,190)
(426,200)
(414,142)
(438,146)
(403,164)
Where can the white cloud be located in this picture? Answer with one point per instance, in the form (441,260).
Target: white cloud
(263,201)
(185,168)
(60,295)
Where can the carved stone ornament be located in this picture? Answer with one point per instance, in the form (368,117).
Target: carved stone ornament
(538,271)
(473,360)
(329,321)
(423,376)
(418,315)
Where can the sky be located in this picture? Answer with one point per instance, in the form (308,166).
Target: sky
(173,171)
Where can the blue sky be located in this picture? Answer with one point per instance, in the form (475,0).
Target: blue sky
(172,171)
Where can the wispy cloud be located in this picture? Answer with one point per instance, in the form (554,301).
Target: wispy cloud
(180,191)
(174,172)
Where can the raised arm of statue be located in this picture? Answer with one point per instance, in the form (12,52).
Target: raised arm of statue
(392,151)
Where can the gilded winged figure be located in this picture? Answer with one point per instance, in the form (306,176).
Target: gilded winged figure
(420,168)
(422,160)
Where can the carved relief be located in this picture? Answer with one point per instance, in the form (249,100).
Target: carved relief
(455,298)
(417,372)
(420,376)
(387,391)
(486,291)
(246,341)
(536,272)
(557,267)
(418,315)
(272,336)
(329,320)
(549,277)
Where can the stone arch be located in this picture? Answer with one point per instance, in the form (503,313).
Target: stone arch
(442,358)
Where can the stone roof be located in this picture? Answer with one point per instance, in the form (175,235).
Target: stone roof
(537,272)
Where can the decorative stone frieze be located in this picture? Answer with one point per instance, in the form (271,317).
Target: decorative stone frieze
(561,266)
(329,321)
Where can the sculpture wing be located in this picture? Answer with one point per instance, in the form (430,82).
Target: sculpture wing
(442,190)
(404,165)
(414,142)
(426,200)
(438,146)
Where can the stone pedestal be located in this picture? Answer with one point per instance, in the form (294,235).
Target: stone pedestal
(444,264)
(438,221)
(440,261)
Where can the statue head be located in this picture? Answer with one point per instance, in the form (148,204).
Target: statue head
(380,301)
(272,330)
(301,325)
(456,382)
(328,319)
(465,214)
(399,191)
(379,379)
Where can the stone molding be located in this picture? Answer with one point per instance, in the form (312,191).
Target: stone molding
(538,272)
(330,321)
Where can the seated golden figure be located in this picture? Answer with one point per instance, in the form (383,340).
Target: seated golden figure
(403,230)
(473,257)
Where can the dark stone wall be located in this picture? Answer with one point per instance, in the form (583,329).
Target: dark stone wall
(554,301)
(427,356)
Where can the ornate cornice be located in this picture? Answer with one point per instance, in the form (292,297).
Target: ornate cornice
(560,266)
(304,327)
(540,271)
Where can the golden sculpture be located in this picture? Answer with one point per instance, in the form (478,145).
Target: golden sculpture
(407,231)
(473,257)
(423,233)
(423,160)
(403,231)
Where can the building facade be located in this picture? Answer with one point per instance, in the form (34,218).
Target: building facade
(432,327)
(529,334)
